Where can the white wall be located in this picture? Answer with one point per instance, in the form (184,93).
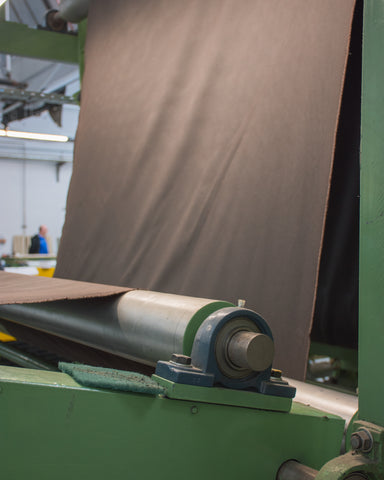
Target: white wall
(29,191)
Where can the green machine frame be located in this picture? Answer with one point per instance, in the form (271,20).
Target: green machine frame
(21,40)
(371,315)
(54,428)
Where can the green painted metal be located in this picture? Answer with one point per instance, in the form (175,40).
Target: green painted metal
(371,314)
(82,34)
(53,428)
(370,464)
(23,260)
(195,322)
(21,40)
(224,396)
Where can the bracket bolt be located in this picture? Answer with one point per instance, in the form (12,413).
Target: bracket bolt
(181,359)
(276,373)
(362,441)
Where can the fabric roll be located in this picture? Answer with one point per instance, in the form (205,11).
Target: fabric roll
(204,152)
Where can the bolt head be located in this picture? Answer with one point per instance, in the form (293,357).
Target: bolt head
(276,373)
(362,441)
(356,441)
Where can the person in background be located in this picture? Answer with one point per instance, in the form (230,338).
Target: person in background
(39,242)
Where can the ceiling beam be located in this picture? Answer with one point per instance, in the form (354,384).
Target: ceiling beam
(20,40)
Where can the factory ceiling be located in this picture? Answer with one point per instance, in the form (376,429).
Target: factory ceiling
(27,74)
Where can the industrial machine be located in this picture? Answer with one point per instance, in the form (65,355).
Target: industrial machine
(214,407)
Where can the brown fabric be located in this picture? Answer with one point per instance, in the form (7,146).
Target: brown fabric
(204,151)
(16,288)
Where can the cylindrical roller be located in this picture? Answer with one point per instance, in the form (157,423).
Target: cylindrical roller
(251,350)
(74,10)
(139,325)
(292,470)
(159,324)
(338,403)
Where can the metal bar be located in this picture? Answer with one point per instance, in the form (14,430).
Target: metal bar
(12,107)
(14,94)
(18,39)
(37,158)
(329,400)
(22,359)
(371,303)
(293,470)
(74,10)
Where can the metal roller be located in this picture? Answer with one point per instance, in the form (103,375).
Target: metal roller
(292,470)
(326,399)
(139,325)
(74,10)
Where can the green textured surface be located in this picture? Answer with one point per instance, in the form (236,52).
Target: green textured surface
(371,314)
(224,396)
(197,320)
(54,428)
(21,40)
(97,377)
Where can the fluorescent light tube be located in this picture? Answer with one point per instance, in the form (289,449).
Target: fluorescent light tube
(33,136)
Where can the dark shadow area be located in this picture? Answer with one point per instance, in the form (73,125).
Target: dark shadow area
(336,310)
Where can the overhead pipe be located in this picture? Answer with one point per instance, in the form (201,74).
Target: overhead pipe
(73,11)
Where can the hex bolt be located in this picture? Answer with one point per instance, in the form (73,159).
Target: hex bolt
(181,359)
(362,441)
